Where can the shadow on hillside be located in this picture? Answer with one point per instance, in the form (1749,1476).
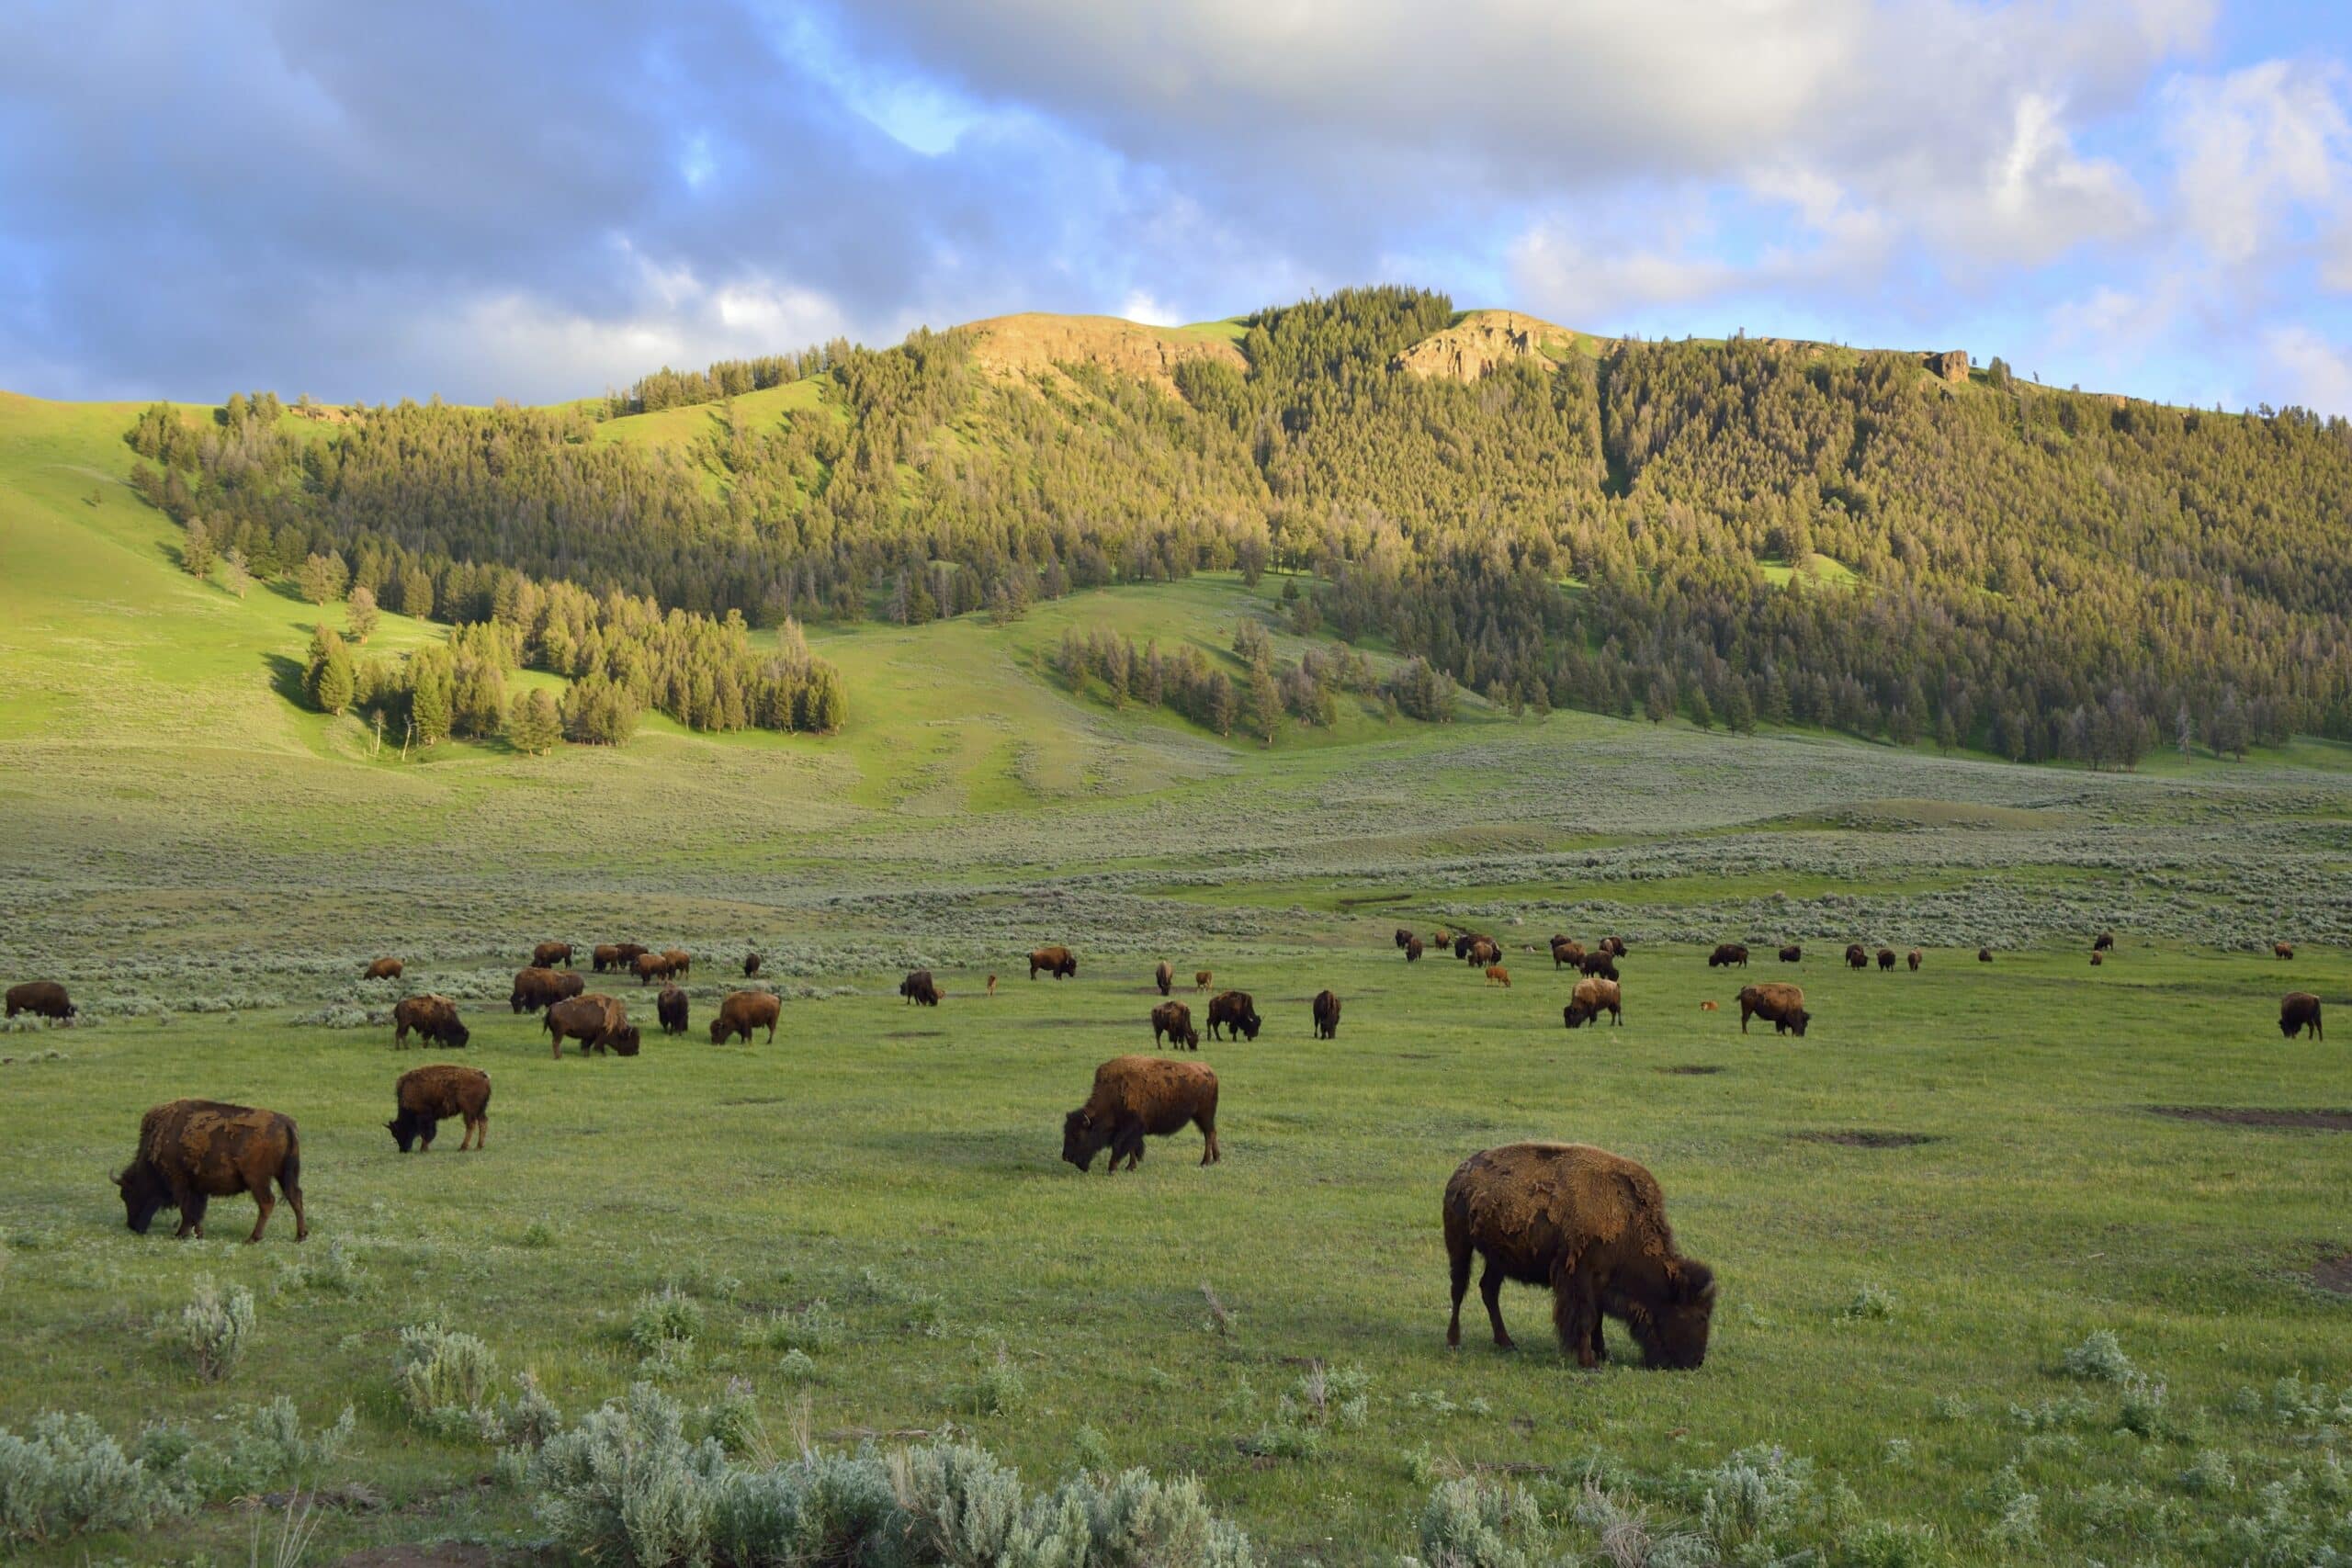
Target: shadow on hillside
(285,677)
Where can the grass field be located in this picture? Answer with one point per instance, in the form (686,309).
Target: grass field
(1915,1213)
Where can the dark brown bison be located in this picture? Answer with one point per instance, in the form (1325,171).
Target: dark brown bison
(1174,1020)
(42,998)
(552,954)
(1461,942)
(1234,1012)
(2299,1011)
(1413,951)
(425,1096)
(1983,955)
(1793,954)
(751,965)
(616,955)
(536,989)
(1059,962)
(384,969)
(1727,954)
(1782,1007)
(917,986)
(1856,956)
(1403,936)
(1591,1226)
(191,1151)
(1566,954)
(1913,958)
(1326,1016)
(1614,945)
(743,1011)
(1139,1097)
(2104,941)
(435,1018)
(1599,965)
(1485,952)
(1592,997)
(1886,958)
(669,1007)
(2282,950)
(599,1021)
(1165,976)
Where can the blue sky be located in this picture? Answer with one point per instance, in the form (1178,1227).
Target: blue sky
(539,200)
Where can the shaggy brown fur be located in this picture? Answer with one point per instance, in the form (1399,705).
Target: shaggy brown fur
(2282,950)
(1593,996)
(669,1007)
(1913,960)
(2299,1011)
(42,998)
(191,1151)
(1413,951)
(1234,1012)
(1983,955)
(2104,941)
(617,955)
(599,1021)
(1164,977)
(917,986)
(536,989)
(426,1095)
(1326,1016)
(1856,958)
(751,965)
(743,1011)
(1886,958)
(1403,936)
(1441,938)
(1729,955)
(1567,954)
(1499,976)
(1202,979)
(1174,1020)
(435,1018)
(1059,962)
(1614,945)
(1600,966)
(1461,942)
(1781,1006)
(2098,959)
(681,961)
(384,969)
(1140,1097)
(1593,1226)
(1483,952)
(549,955)
(649,966)
(1793,954)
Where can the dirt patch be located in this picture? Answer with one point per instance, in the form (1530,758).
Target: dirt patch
(1859,1138)
(1692,1070)
(2334,1275)
(2254,1116)
(915,1034)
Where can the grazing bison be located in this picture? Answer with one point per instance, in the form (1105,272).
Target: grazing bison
(435,1018)
(552,954)
(669,1007)
(428,1094)
(536,989)
(1174,1020)
(1710,1006)
(1201,979)
(1983,955)
(751,965)
(1793,954)
(1461,942)
(2282,950)
(1059,962)
(681,961)
(918,988)
(1600,966)
(1484,951)
(1234,1012)
(1781,1006)
(1885,959)
(191,1151)
(1856,958)
(1139,1097)
(1591,1226)
(1441,938)
(384,969)
(1913,959)
(649,966)
(2299,1011)
(1614,945)
(743,1011)
(1413,950)
(1326,1016)
(617,956)
(599,1021)
(42,998)
(1165,977)
(1403,936)
(1592,997)
(2098,959)
(1499,976)
(2104,941)
(1566,954)
(1727,954)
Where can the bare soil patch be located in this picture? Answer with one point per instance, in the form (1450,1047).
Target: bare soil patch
(1860,1138)
(2256,1116)
(2334,1275)
(1690,1069)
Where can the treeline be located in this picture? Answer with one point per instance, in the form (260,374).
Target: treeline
(668,388)
(1269,693)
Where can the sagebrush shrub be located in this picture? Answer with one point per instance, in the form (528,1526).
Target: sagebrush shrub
(213,1331)
(65,1474)
(442,1375)
(2098,1358)
(815,1328)
(662,1317)
(1476,1523)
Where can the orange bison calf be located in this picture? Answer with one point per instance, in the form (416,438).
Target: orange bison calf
(428,1094)
(1593,996)
(1201,978)
(1059,962)
(1499,976)
(42,998)
(192,1151)
(1174,1020)
(1139,1097)
(1781,1006)
(743,1011)
(2299,1011)
(383,969)
(1326,1016)
(599,1021)
(434,1016)
(1591,1226)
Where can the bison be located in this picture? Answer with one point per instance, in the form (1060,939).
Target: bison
(42,998)
(1856,957)
(552,954)
(2098,959)
(1461,942)
(2299,1011)
(651,966)
(384,969)
(1593,1226)
(1135,1097)
(917,986)
(433,1017)
(1710,1006)
(1614,945)
(1983,955)
(1598,965)
(428,1094)
(1413,951)
(743,1011)
(1566,954)
(1403,936)
(2104,941)
(191,1151)
(751,965)
(1165,976)
(1499,976)
(1727,954)
(669,1007)
(1793,954)
(1913,959)
(1326,1016)
(1781,1006)
(2282,950)
(1592,997)
(1885,959)
(599,1021)
(1234,1012)
(1059,962)
(1174,1020)
(617,956)
(1485,952)
(536,989)
(1202,979)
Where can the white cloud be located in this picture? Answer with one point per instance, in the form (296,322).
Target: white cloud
(2252,146)
(2308,369)
(1140,306)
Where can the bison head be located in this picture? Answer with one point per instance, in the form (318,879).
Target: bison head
(624,1042)
(409,1128)
(1248,1026)
(1675,1336)
(1797,1020)
(518,1001)
(1575,1015)
(718,1031)
(1082,1138)
(455,1035)
(144,1191)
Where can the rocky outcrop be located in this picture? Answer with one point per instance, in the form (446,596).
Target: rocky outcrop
(1028,345)
(1950,366)
(1482,343)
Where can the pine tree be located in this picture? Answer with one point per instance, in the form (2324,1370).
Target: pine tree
(331,681)
(321,578)
(432,701)
(1261,703)
(1220,703)
(533,725)
(360,617)
(828,701)
(195,549)
(235,575)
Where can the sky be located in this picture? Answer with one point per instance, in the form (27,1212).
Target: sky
(538,200)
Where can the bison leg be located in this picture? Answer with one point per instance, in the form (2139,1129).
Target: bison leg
(1457,1260)
(292,1186)
(191,1206)
(425,1127)
(1210,1152)
(1490,1291)
(1575,1313)
(1616,1017)
(264,1202)
(1744,1014)
(747,1038)
(1600,1350)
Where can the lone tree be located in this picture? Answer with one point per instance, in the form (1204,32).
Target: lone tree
(332,684)
(196,550)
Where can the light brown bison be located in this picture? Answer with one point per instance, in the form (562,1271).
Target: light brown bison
(616,955)
(42,998)
(1059,962)
(2098,959)
(1793,954)
(2299,1011)
(919,987)
(1566,954)
(1599,965)
(1403,936)
(1983,955)
(1413,951)
(599,1021)
(1484,950)
(1885,959)
(1326,1016)
(1614,945)
(743,1011)
(671,1009)
(1782,1007)
(426,1095)
(1913,959)
(1710,1006)
(1174,1020)
(552,954)
(1164,977)
(384,969)
(1593,1226)
(751,965)
(1729,955)
(536,989)
(1593,996)
(1202,979)
(651,966)
(191,1151)
(1234,1012)
(2104,941)
(1499,976)
(992,985)
(1140,1097)
(1856,956)
(2282,950)
(681,961)
(435,1018)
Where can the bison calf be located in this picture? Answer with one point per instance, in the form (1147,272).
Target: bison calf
(1326,1016)
(743,1011)
(1139,1097)
(425,1096)
(191,1151)
(1913,959)
(1174,1020)
(2299,1011)
(1499,976)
